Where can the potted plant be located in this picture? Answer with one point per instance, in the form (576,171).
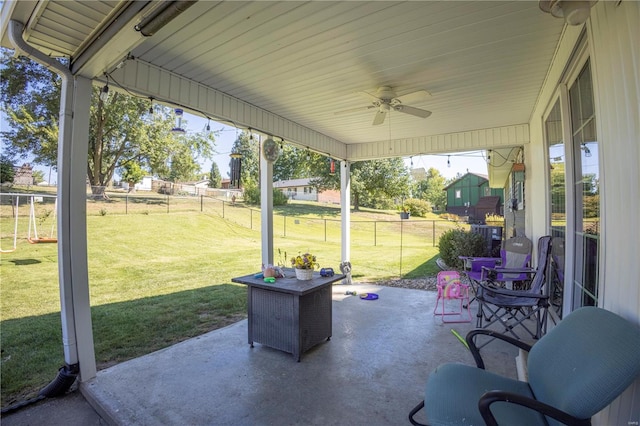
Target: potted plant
(304,265)
(404,214)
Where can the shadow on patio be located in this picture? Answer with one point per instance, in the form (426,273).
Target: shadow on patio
(371,372)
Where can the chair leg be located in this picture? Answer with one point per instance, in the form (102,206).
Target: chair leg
(414,412)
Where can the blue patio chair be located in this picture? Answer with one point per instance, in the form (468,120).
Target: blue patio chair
(512,308)
(574,371)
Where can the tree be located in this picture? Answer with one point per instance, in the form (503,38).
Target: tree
(30,97)
(374,183)
(121,130)
(6,169)
(38,176)
(431,188)
(132,173)
(215,179)
(295,163)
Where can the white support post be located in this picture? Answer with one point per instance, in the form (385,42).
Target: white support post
(266,203)
(72,228)
(345,203)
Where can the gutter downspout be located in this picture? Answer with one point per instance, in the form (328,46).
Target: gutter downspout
(64,140)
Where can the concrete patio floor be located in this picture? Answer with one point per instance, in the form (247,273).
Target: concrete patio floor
(371,372)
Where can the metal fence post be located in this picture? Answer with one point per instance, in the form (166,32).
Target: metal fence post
(434,233)
(223,209)
(126,204)
(401,233)
(375,233)
(201,203)
(167,203)
(325,230)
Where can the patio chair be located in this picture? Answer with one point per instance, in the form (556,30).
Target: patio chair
(512,308)
(516,253)
(557,278)
(574,371)
(450,288)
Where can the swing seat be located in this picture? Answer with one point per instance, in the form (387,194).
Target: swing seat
(42,240)
(451,289)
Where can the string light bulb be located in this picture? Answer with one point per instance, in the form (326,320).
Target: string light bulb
(104,93)
(448,161)
(489,157)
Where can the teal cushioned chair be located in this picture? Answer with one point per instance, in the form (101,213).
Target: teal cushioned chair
(575,370)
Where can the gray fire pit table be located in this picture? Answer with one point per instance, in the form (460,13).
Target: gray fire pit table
(289,315)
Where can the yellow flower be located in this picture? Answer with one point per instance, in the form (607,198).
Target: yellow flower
(304,261)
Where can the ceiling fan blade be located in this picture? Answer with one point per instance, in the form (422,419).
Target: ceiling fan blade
(414,97)
(422,113)
(379,118)
(347,111)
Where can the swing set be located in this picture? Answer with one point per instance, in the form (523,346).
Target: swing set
(32,235)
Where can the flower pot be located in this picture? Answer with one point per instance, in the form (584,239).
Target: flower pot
(304,274)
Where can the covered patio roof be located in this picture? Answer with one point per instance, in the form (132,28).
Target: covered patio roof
(291,69)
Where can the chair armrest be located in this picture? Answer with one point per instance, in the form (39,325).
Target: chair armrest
(488,272)
(484,404)
(475,352)
(483,261)
(512,293)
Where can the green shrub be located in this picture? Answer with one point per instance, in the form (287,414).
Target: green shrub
(279,198)
(458,242)
(417,207)
(252,196)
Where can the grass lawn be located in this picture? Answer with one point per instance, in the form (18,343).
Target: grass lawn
(156,278)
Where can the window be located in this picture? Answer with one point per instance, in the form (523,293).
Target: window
(458,193)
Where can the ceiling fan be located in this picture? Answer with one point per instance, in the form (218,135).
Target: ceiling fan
(385,100)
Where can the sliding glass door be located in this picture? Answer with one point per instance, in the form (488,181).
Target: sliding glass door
(574,193)
(586,188)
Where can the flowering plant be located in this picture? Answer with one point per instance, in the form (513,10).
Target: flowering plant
(304,261)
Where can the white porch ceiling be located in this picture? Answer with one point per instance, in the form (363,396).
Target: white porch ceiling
(483,62)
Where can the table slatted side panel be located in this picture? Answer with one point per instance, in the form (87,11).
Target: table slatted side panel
(315,321)
(277,328)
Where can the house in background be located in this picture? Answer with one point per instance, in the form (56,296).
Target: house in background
(297,189)
(301,189)
(145,185)
(470,195)
(23,175)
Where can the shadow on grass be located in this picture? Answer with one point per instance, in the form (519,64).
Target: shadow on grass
(32,348)
(428,268)
(307,209)
(23,262)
